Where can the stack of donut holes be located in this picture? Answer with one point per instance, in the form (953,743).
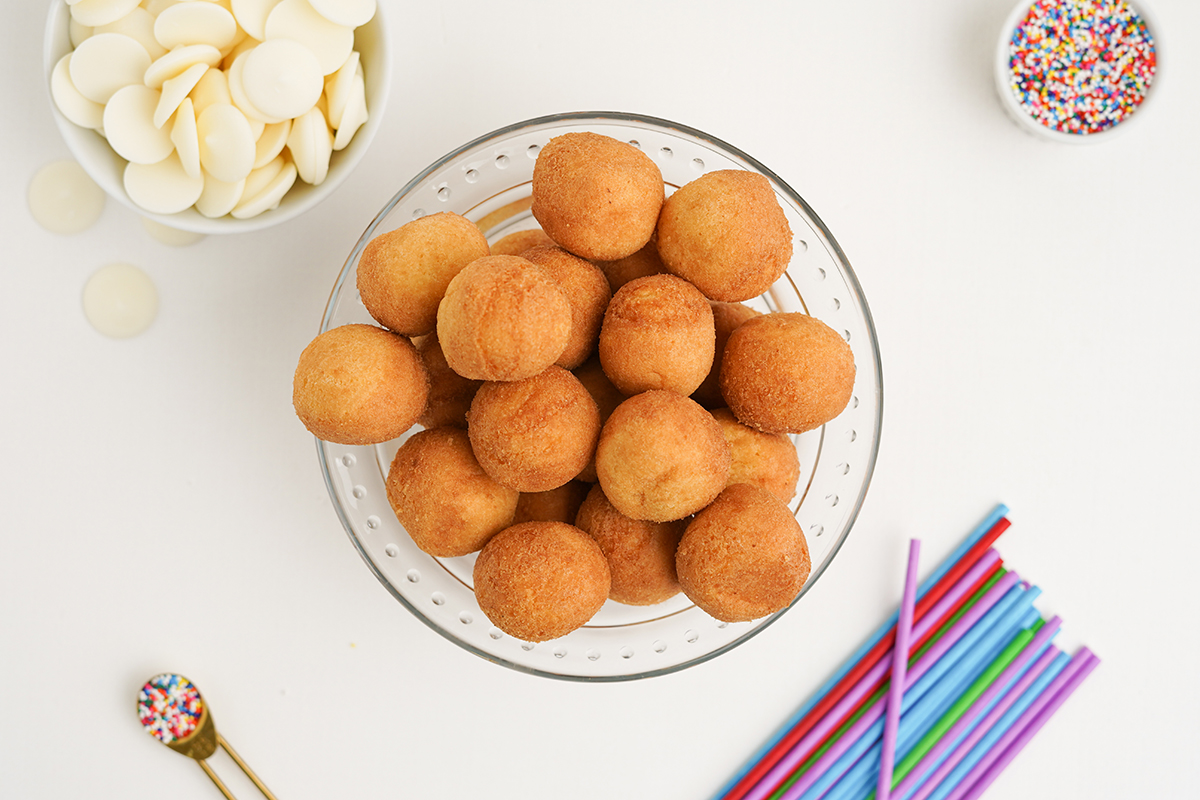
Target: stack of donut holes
(601,417)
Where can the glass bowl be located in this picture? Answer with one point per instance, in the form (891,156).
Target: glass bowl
(488,181)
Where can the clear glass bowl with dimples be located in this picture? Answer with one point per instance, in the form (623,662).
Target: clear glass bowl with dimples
(488,181)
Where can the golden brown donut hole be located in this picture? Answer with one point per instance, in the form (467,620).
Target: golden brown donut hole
(641,554)
(541,580)
(553,505)
(587,291)
(607,397)
(786,373)
(767,460)
(596,196)
(657,334)
(450,394)
(442,497)
(517,242)
(661,457)
(359,384)
(637,265)
(744,556)
(503,319)
(726,317)
(534,434)
(726,233)
(403,274)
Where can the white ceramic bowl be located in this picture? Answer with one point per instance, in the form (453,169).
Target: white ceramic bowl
(489,182)
(1024,120)
(107,168)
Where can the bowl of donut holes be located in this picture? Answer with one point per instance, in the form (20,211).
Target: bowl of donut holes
(596,396)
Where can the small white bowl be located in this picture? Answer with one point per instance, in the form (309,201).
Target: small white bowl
(107,168)
(1026,121)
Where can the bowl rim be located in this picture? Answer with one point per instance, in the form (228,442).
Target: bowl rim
(379,89)
(828,239)
(1026,122)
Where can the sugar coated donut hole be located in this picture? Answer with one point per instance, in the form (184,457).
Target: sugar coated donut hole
(503,319)
(587,291)
(359,384)
(786,373)
(637,265)
(657,334)
(641,554)
(553,505)
(596,196)
(744,556)
(517,242)
(450,394)
(403,274)
(766,460)
(534,434)
(726,317)
(607,397)
(726,233)
(443,498)
(541,580)
(661,457)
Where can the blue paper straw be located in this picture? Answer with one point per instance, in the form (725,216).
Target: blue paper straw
(950,783)
(998,513)
(925,705)
(996,620)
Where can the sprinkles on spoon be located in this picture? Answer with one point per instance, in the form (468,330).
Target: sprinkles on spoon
(169,707)
(1081,66)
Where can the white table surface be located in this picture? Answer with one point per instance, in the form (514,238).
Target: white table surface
(162,508)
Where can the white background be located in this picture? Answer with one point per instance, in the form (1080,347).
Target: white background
(162,509)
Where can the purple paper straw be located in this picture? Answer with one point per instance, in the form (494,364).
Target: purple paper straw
(1070,677)
(766,785)
(1011,672)
(891,723)
(931,657)
(1035,725)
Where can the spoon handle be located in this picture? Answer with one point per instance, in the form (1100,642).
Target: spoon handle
(244,767)
(212,775)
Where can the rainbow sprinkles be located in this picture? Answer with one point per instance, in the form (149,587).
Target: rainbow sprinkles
(1081,66)
(170,707)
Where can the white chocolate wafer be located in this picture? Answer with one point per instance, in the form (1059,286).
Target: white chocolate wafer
(212,88)
(106,62)
(269,197)
(178,61)
(130,129)
(101,12)
(355,114)
(271,142)
(195,23)
(218,197)
(350,13)
(137,24)
(295,19)
(311,144)
(282,78)
(176,90)
(226,143)
(186,137)
(162,188)
(70,102)
(252,15)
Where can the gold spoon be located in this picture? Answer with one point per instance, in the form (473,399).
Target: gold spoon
(172,711)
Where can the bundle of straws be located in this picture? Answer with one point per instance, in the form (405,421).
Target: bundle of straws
(938,702)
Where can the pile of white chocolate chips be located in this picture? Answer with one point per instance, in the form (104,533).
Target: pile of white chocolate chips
(219,105)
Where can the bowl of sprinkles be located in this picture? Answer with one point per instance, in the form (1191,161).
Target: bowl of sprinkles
(1077,71)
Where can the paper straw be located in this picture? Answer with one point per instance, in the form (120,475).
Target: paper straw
(924,760)
(1031,729)
(806,743)
(967,554)
(986,734)
(880,688)
(899,669)
(1069,677)
(999,598)
(854,774)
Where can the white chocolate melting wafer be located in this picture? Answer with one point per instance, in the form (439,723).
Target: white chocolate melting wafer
(271,142)
(295,19)
(101,12)
(186,138)
(178,61)
(130,129)
(218,197)
(64,199)
(252,15)
(282,78)
(137,24)
(195,23)
(162,188)
(176,90)
(226,143)
(269,197)
(355,114)
(106,62)
(73,105)
(311,144)
(212,88)
(350,13)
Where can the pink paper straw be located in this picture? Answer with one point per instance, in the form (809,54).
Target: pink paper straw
(835,715)
(931,657)
(1026,726)
(895,696)
(964,722)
